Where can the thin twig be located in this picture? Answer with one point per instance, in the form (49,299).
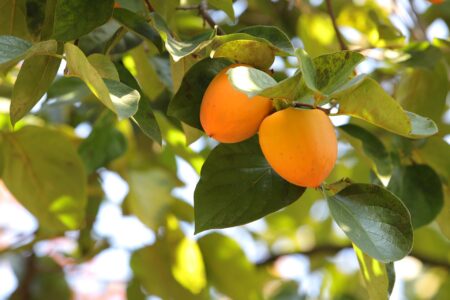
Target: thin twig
(332,250)
(149,6)
(423,32)
(335,26)
(203,10)
(305,105)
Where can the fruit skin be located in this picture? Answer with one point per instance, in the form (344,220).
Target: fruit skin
(436,1)
(300,145)
(227,114)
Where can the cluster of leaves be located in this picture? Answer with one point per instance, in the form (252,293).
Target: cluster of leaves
(137,75)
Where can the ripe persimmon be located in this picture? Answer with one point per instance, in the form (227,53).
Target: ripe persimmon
(300,145)
(228,115)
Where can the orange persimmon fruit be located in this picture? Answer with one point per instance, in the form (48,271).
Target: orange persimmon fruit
(300,145)
(436,1)
(228,115)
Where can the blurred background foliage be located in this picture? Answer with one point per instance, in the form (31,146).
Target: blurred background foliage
(137,239)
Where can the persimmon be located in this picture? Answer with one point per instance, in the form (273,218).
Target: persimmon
(228,115)
(300,145)
(436,1)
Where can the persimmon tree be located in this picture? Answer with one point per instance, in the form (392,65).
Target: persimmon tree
(245,93)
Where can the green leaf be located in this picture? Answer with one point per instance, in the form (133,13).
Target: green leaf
(13,16)
(118,97)
(35,77)
(375,275)
(329,72)
(185,105)
(421,55)
(171,262)
(43,171)
(249,52)
(368,101)
(231,268)
(420,189)
(269,35)
(374,219)
(12,48)
(237,186)
(150,197)
(225,5)
(424,91)
(104,144)
(371,146)
(104,66)
(146,74)
(78,17)
(179,49)
(144,117)
(139,25)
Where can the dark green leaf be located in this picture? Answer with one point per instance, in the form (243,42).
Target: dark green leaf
(35,16)
(374,219)
(35,77)
(372,147)
(104,144)
(13,18)
(420,189)
(238,186)
(231,268)
(138,24)
(78,17)
(43,171)
(144,117)
(185,105)
(277,38)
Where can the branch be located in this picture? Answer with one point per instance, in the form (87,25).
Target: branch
(332,250)
(302,105)
(149,6)
(23,291)
(202,9)
(422,31)
(335,26)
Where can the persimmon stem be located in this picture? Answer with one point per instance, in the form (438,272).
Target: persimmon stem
(335,26)
(305,105)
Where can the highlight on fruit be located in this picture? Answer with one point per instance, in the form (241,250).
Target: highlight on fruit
(228,115)
(300,145)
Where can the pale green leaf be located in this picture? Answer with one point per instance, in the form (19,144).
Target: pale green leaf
(35,77)
(226,264)
(44,172)
(374,274)
(104,66)
(13,14)
(368,101)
